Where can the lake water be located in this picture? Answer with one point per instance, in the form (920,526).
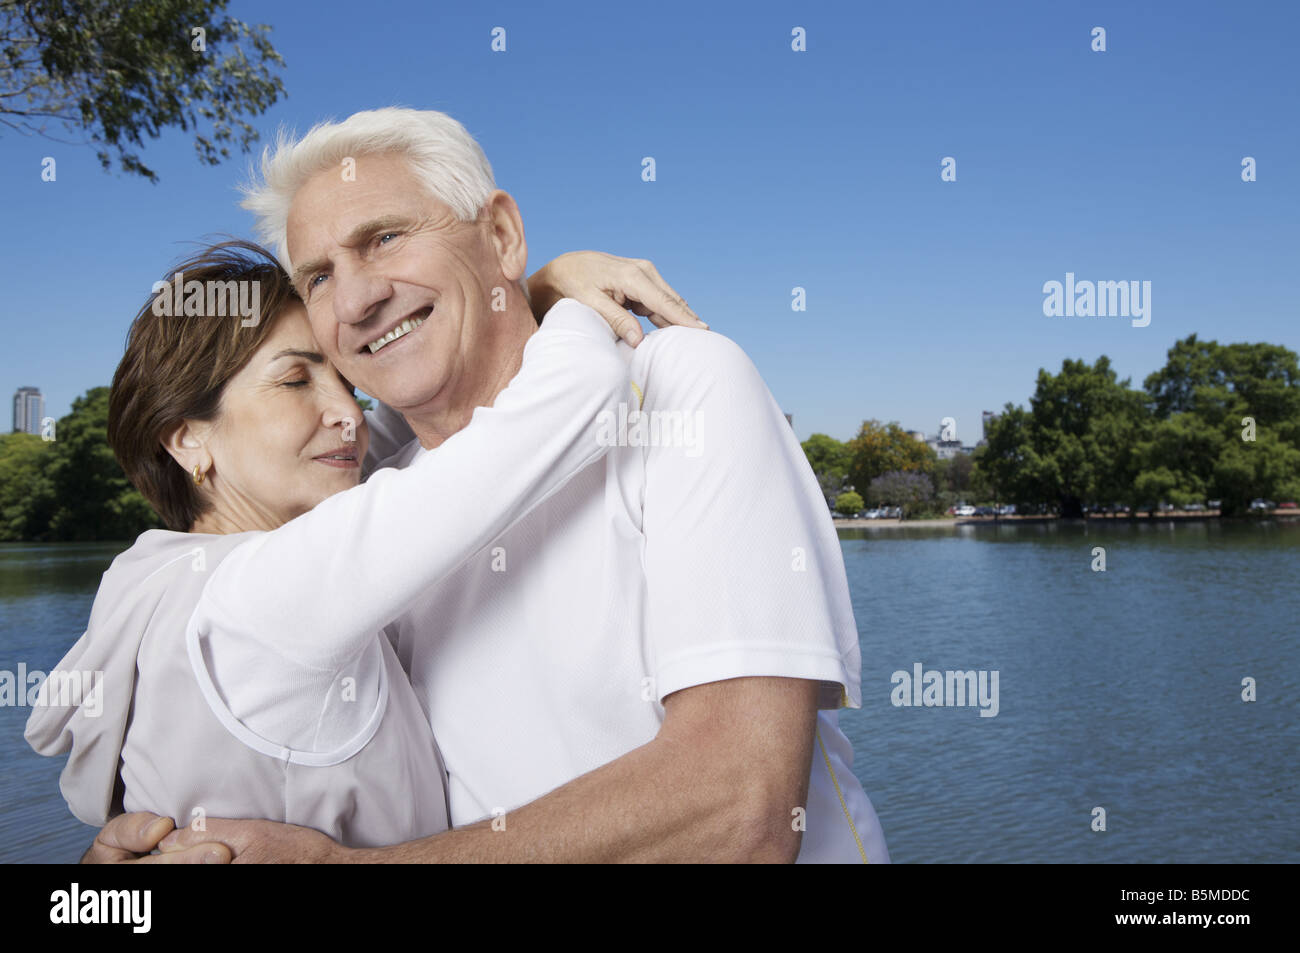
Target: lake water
(1119,690)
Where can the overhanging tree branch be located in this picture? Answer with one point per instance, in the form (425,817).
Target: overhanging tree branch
(122,71)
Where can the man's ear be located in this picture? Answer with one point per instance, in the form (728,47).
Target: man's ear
(184,441)
(507,234)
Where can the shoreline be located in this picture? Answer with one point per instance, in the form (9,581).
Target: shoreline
(954,521)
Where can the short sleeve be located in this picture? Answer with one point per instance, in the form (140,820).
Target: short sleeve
(744,572)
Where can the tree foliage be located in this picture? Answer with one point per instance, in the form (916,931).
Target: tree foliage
(119,71)
(904,488)
(1088,438)
(26,497)
(1218,421)
(829,459)
(848,503)
(70,488)
(886,448)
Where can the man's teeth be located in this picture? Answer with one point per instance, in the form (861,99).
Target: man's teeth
(410,324)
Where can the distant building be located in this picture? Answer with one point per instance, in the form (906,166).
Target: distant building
(946,449)
(29,409)
(916,435)
(949,448)
(987,418)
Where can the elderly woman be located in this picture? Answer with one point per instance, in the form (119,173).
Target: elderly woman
(184,728)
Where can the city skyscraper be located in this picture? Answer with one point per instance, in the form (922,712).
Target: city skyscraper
(29,409)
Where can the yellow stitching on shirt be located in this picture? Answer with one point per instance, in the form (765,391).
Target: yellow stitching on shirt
(640,398)
(847,816)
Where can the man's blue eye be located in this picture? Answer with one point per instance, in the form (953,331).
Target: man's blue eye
(387,235)
(312,282)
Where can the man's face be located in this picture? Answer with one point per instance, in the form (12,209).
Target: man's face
(379,255)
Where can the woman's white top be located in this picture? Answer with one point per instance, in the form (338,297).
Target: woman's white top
(247,675)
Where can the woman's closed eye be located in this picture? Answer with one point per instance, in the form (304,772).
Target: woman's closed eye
(303,382)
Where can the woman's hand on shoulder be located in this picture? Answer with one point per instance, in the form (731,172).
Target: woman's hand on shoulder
(612,286)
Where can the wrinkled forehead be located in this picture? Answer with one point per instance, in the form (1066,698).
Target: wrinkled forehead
(334,201)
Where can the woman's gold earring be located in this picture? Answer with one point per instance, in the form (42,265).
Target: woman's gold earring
(198,475)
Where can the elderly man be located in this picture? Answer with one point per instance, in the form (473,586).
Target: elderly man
(645,667)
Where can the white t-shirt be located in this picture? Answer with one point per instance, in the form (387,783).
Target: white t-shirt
(548,653)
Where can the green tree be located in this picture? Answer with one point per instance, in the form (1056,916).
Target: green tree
(829,459)
(26,496)
(908,489)
(93,498)
(848,503)
(1267,468)
(118,71)
(886,448)
(826,454)
(1202,398)
(1176,461)
(957,475)
(1085,427)
(1088,437)
(1220,384)
(1008,463)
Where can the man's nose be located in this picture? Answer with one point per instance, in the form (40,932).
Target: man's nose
(357,293)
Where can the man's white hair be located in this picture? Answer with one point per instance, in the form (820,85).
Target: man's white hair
(442,154)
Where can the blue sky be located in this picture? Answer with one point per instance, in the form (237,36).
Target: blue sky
(775,169)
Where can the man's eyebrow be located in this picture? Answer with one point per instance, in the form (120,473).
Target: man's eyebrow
(302,271)
(355,237)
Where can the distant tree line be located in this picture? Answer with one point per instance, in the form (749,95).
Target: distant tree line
(1216,422)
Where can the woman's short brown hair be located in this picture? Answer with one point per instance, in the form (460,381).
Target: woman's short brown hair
(177,366)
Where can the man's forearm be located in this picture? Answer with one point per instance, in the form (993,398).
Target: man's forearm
(719,784)
(635,809)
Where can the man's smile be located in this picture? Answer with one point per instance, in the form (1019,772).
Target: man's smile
(397,331)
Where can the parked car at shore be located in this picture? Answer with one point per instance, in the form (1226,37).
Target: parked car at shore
(1262,506)
(965,511)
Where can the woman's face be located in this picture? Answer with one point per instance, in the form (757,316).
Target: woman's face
(289,434)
